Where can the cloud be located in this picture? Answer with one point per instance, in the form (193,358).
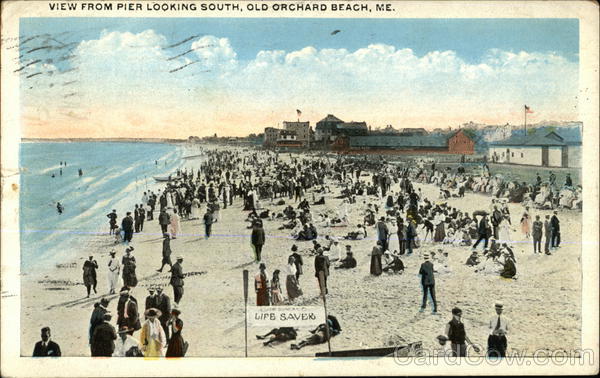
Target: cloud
(127,77)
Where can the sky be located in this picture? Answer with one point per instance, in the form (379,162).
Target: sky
(161,77)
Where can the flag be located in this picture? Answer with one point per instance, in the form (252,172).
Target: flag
(298,112)
(528,109)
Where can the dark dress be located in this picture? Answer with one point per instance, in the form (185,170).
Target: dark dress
(176,348)
(376,268)
(103,341)
(89,272)
(129,277)
(262,291)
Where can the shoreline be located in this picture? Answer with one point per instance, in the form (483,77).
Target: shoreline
(373,311)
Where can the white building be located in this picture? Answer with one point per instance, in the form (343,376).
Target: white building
(543,150)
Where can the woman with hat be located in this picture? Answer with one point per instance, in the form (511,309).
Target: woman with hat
(89,275)
(291,282)
(114,268)
(152,336)
(261,286)
(128,262)
(376,254)
(126,345)
(176,346)
(276,297)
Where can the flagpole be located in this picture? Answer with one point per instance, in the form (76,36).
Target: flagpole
(322,287)
(525,124)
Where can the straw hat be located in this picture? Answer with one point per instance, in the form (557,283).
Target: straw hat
(153,312)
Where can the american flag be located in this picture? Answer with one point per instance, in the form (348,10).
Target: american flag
(528,109)
(298,112)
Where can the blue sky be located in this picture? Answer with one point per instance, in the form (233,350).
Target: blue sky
(470,38)
(240,75)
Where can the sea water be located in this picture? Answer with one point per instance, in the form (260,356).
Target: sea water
(115,176)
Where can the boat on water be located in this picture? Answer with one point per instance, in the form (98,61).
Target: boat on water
(193,156)
(165,178)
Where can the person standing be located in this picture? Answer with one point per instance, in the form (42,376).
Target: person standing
(166,252)
(547,234)
(383,233)
(46,347)
(526,223)
(257,239)
(150,299)
(401,236)
(176,344)
(97,317)
(103,340)
(127,227)
(114,269)
(455,330)
(177,279)
(112,221)
(291,281)
(89,275)
(322,265)
(174,224)
(163,304)
(427,283)
(127,312)
(555,223)
(376,253)
(141,216)
(152,335)
(128,262)
(261,286)
(208,221)
(411,233)
(136,219)
(536,232)
(126,345)
(298,262)
(164,220)
(498,328)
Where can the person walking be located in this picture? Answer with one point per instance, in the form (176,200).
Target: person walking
(103,340)
(455,331)
(526,223)
(537,232)
(177,279)
(114,269)
(383,233)
(257,239)
(163,304)
(89,275)
(427,283)
(127,311)
(166,252)
(498,328)
(411,233)
(129,265)
(97,317)
(482,232)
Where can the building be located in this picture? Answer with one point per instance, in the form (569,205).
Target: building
(411,131)
(302,130)
(540,149)
(271,136)
(457,143)
(461,143)
(351,129)
(325,128)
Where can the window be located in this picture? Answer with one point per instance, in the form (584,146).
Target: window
(512,154)
(521,154)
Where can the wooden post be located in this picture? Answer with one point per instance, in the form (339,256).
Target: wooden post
(322,287)
(245,278)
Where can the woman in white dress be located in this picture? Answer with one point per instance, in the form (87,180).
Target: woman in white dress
(174,224)
(504,231)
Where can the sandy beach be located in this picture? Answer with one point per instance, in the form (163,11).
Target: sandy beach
(543,304)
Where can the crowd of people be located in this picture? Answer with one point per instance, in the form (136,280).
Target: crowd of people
(380,197)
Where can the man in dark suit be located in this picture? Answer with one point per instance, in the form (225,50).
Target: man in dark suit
(166,252)
(103,340)
(163,303)
(164,220)
(411,232)
(127,312)
(177,280)
(46,347)
(127,227)
(496,219)
(322,265)
(150,299)
(428,283)
(97,316)
(482,231)
(555,224)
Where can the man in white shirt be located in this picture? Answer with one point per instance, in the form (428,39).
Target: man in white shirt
(498,328)
(125,343)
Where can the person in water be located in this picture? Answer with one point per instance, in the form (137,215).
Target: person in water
(60,208)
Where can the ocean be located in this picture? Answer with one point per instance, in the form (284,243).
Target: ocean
(115,176)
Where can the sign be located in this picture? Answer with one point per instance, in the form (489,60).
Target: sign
(285,316)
